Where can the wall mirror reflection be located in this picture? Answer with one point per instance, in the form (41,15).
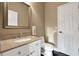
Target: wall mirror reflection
(16,15)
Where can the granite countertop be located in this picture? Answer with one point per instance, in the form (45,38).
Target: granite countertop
(13,43)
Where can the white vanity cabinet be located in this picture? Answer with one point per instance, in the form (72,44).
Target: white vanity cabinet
(35,48)
(31,49)
(20,51)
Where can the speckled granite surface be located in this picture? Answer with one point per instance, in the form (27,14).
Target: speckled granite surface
(13,43)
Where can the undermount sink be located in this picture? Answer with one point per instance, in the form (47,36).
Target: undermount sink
(22,40)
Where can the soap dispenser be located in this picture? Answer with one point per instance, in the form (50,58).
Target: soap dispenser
(34,30)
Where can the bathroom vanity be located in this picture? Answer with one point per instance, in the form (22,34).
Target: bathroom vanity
(16,16)
(26,46)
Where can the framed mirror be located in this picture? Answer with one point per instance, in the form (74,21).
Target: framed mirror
(16,15)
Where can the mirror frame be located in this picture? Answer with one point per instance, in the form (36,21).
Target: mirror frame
(5,18)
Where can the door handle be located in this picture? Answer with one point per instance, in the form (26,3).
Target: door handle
(78,49)
(60,31)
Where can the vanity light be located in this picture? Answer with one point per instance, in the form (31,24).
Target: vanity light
(28,3)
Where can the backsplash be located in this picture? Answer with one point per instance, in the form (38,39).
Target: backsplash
(12,36)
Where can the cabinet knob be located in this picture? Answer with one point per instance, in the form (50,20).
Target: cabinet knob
(19,52)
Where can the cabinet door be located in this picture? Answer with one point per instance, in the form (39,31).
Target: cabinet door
(25,50)
(31,47)
(38,48)
(34,48)
(20,51)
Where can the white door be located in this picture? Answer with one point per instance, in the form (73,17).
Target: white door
(68,28)
(61,28)
(76,28)
(35,48)
(68,18)
(61,22)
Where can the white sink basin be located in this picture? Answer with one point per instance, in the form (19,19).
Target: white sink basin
(22,40)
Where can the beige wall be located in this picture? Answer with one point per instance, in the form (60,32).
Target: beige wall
(38,17)
(37,20)
(51,20)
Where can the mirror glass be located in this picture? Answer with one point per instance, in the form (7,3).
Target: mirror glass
(17,14)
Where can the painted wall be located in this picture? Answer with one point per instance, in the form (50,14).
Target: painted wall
(37,20)
(38,17)
(51,21)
